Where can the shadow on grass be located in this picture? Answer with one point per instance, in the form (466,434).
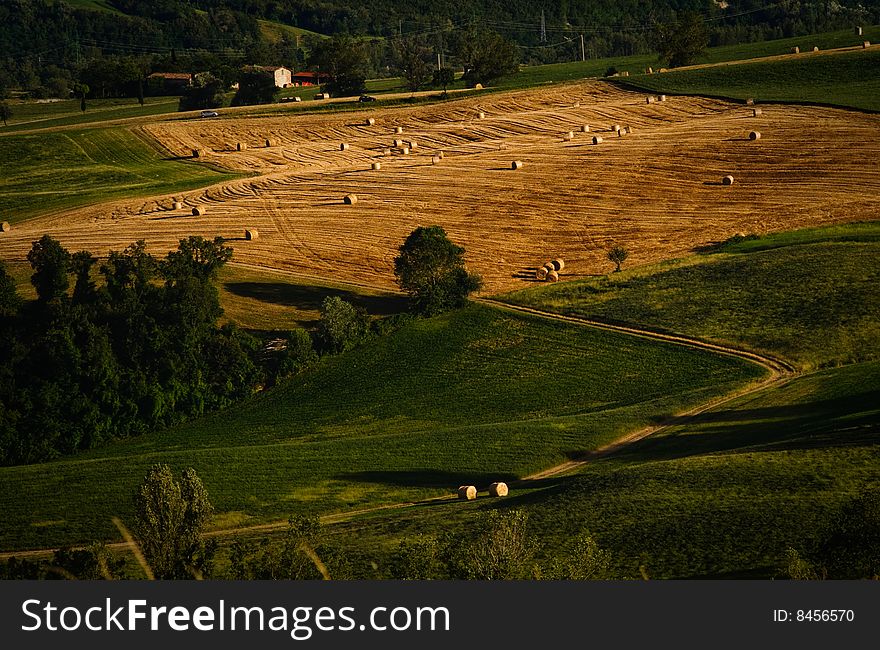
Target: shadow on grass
(427,478)
(310,297)
(845,421)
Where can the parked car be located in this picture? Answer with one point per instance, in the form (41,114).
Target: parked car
(367,98)
(209,114)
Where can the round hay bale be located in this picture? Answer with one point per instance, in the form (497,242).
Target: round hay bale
(756,112)
(649,70)
(5,227)
(398,143)
(727,180)
(541,273)
(649,100)
(386,152)
(628,129)
(441,154)
(866,45)
(250,235)
(478,87)
(405,151)
(621,133)
(661,98)
(615,128)
(350,199)
(625,73)
(516,164)
(370,121)
(567,137)
(177,205)
(795,50)
(585,128)
(815,48)
(377,166)
(558,264)
(576,105)
(343,146)
(271,142)
(662,70)
(755,135)
(297,98)
(467,492)
(597,139)
(398,129)
(241,146)
(498,489)
(198,211)
(435,160)
(481,116)
(553,276)
(413,144)
(750,101)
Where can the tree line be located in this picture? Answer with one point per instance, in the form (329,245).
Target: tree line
(121,348)
(111,53)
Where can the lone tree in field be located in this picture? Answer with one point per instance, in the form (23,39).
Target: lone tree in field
(443,78)
(618,255)
(5,112)
(170,519)
(431,269)
(682,43)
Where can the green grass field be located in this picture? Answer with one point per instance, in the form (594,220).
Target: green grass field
(31,115)
(849,79)
(473,396)
(724,496)
(57,170)
(811,296)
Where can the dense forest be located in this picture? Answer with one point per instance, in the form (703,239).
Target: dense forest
(48,46)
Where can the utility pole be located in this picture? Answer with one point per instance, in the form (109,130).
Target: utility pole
(543,28)
(583,53)
(438,59)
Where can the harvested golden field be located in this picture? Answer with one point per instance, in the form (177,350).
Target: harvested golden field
(656,191)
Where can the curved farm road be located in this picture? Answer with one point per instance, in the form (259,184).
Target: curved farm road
(780,372)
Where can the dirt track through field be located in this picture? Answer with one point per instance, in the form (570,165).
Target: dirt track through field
(656,191)
(780,372)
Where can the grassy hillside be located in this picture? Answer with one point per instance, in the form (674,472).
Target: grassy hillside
(812,296)
(850,79)
(473,396)
(57,170)
(723,496)
(30,115)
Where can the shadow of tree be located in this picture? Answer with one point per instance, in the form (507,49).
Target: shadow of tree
(310,297)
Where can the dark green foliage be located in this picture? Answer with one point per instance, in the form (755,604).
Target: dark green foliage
(297,355)
(206,91)
(5,112)
(486,56)
(117,360)
(412,58)
(583,560)
(344,59)
(92,563)
(851,548)
(170,518)
(416,560)
(342,325)
(443,78)
(430,268)
(684,42)
(292,559)
(9,298)
(611,71)
(51,264)
(256,86)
